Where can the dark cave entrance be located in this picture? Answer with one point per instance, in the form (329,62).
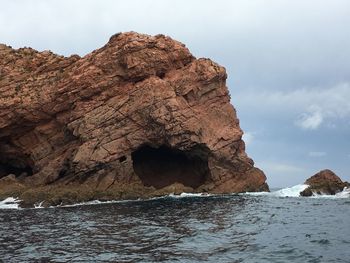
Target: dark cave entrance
(163,166)
(18,167)
(13,160)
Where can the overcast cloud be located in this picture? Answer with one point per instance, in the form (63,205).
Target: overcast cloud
(288,64)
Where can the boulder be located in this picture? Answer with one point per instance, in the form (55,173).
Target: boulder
(324,182)
(138,115)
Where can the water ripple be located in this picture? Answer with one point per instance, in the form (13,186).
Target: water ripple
(235,228)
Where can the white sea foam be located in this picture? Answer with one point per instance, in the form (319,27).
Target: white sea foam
(13,203)
(9,203)
(184,195)
(96,202)
(293,191)
(39,205)
(343,194)
(255,193)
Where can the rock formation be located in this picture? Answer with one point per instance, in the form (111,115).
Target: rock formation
(324,182)
(138,117)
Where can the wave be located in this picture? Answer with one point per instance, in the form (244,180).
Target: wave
(13,203)
(97,202)
(294,191)
(10,203)
(343,194)
(184,195)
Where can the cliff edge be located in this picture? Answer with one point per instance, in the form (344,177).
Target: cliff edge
(139,117)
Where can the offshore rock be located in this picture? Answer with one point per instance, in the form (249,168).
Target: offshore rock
(324,182)
(128,120)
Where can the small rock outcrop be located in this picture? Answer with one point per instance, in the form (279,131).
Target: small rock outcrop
(324,182)
(128,120)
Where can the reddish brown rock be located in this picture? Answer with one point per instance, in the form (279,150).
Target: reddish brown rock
(324,182)
(127,120)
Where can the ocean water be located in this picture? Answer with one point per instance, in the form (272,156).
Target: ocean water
(256,227)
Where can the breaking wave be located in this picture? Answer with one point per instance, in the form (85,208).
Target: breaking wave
(344,194)
(294,191)
(9,203)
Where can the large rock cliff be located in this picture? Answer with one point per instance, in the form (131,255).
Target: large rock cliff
(138,117)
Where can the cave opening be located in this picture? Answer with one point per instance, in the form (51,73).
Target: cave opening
(13,160)
(162,166)
(19,168)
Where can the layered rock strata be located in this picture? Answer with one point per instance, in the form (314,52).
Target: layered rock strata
(138,117)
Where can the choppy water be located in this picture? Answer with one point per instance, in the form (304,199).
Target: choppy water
(234,228)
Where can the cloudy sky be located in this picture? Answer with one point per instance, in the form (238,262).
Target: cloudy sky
(288,64)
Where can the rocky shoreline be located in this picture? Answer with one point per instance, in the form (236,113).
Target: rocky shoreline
(137,118)
(325,182)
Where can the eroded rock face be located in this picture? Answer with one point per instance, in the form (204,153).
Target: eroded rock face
(324,182)
(127,120)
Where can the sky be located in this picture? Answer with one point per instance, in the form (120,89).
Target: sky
(288,64)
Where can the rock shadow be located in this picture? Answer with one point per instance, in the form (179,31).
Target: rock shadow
(162,166)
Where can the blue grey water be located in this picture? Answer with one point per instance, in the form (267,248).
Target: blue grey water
(229,228)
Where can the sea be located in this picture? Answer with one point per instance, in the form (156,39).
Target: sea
(270,227)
